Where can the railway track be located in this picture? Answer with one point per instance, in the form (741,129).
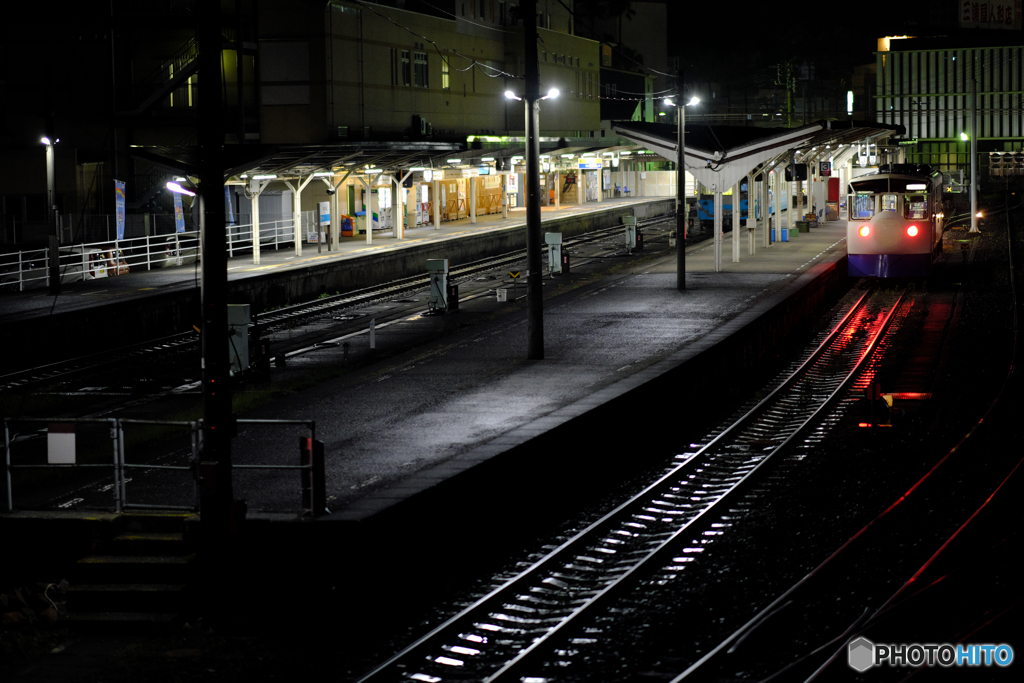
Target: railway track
(884,586)
(158,351)
(547,618)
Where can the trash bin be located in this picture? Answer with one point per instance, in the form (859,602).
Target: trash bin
(803,226)
(347,226)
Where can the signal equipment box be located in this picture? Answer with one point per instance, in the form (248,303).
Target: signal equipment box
(238,336)
(437,270)
(554,242)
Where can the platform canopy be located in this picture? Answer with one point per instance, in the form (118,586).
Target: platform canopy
(719,156)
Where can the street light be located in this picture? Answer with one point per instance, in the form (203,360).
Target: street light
(681,191)
(51,218)
(175,187)
(534,293)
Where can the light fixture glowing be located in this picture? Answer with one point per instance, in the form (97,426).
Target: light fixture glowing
(865,231)
(912,231)
(963,136)
(264,177)
(511,95)
(492,158)
(323,174)
(175,187)
(45,140)
(669,103)
(454,161)
(979,214)
(693,100)
(552,93)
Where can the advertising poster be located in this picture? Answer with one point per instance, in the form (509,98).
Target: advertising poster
(119,208)
(179,215)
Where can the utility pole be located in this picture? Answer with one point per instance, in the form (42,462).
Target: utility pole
(218,421)
(680,180)
(974,155)
(534,292)
(52,224)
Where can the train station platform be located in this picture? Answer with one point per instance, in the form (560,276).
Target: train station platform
(628,360)
(141,283)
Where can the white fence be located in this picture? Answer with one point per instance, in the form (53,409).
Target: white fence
(20,270)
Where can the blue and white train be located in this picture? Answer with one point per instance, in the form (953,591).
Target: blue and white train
(895,221)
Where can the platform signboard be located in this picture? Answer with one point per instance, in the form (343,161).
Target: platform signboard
(324,212)
(119,208)
(825,168)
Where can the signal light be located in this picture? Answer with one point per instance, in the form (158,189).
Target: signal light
(865,231)
(912,231)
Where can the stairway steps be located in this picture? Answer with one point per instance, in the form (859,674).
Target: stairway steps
(122,622)
(149,543)
(127,597)
(137,580)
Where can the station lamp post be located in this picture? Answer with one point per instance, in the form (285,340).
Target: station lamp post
(681,188)
(53,226)
(534,293)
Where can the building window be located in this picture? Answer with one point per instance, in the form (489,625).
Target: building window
(445,83)
(421,70)
(406,72)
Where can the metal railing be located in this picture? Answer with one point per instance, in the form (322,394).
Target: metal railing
(313,472)
(94,260)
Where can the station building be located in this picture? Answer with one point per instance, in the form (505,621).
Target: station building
(925,85)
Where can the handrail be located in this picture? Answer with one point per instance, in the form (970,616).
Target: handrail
(119,464)
(95,260)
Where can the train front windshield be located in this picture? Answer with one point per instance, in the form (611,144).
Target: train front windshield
(915,207)
(862,207)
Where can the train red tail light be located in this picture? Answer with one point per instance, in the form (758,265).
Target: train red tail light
(865,231)
(912,231)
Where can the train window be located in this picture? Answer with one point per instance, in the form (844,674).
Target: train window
(915,207)
(888,202)
(862,207)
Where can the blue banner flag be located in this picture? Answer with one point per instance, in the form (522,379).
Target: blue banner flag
(119,208)
(179,217)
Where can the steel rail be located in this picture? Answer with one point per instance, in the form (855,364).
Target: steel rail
(585,537)
(702,522)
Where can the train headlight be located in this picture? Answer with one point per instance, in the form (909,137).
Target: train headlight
(912,231)
(865,231)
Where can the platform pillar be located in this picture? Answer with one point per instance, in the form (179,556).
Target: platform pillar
(437,204)
(718,228)
(765,216)
(397,219)
(558,190)
(472,200)
(504,195)
(737,227)
(335,226)
(751,218)
(256,227)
